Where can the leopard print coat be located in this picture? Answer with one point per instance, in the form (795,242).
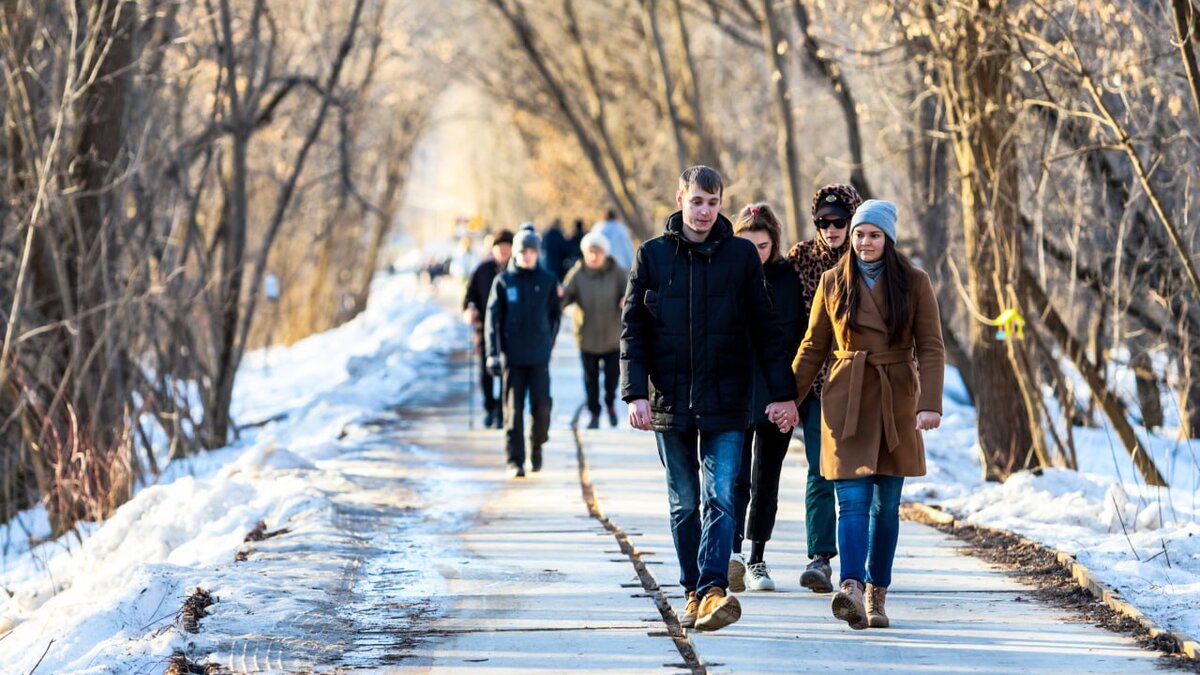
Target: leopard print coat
(812,258)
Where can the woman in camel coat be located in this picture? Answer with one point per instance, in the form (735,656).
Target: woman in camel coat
(878,316)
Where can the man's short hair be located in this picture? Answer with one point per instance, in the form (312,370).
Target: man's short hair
(704,177)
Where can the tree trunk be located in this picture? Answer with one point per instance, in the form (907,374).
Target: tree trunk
(840,89)
(666,86)
(706,148)
(1187,21)
(1148,393)
(978,95)
(786,129)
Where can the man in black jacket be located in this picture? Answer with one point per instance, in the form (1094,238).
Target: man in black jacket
(474,304)
(523,313)
(696,313)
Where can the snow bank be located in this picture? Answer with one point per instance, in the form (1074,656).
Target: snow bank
(1142,540)
(109,596)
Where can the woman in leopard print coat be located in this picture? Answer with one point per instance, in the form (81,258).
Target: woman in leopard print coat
(832,208)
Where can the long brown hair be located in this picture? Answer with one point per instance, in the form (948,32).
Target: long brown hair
(897,289)
(761,218)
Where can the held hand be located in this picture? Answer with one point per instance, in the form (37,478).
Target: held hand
(784,415)
(927,419)
(639,414)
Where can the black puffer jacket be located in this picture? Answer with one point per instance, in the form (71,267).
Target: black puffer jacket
(695,316)
(788,303)
(522,316)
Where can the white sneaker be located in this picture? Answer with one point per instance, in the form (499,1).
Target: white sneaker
(737,573)
(758,577)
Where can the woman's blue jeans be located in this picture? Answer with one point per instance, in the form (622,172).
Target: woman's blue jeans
(701,468)
(868,527)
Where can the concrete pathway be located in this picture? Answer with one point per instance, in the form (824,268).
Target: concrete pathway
(549,589)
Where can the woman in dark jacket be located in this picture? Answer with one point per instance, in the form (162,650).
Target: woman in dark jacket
(757,485)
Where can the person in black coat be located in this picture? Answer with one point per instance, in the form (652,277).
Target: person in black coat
(523,314)
(765,447)
(696,315)
(554,250)
(474,305)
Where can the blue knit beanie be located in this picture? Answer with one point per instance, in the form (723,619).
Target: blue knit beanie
(877,212)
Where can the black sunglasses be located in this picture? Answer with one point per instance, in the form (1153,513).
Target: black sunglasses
(838,224)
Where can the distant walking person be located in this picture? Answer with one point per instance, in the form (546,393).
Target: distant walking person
(554,250)
(765,446)
(523,313)
(597,286)
(878,315)
(619,242)
(475,304)
(832,207)
(696,309)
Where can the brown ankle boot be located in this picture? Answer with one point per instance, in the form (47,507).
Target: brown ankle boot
(876,614)
(848,604)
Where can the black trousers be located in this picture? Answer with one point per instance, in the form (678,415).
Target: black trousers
(521,382)
(757,484)
(591,378)
(491,402)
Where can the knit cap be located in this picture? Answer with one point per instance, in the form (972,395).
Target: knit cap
(877,212)
(526,238)
(595,240)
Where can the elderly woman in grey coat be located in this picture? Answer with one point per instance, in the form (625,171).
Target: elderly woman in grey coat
(596,285)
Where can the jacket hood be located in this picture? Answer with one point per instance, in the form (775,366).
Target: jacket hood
(721,231)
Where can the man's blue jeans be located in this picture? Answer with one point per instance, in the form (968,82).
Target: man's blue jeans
(701,469)
(868,526)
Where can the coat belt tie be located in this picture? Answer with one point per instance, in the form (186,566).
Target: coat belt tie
(859,361)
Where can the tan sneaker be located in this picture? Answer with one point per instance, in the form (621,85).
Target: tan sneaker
(876,614)
(848,604)
(688,620)
(717,610)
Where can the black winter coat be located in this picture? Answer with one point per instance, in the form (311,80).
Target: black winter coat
(523,313)
(480,287)
(788,303)
(695,316)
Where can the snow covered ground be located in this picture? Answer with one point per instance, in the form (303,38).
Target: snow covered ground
(107,604)
(1142,540)
(105,601)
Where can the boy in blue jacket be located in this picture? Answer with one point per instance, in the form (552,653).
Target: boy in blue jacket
(523,314)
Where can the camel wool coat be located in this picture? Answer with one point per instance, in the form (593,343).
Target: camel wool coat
(874,390)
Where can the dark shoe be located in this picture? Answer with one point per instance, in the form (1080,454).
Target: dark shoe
(499,422)
(515,471)
(535,459)
(595,423)
(717,610)
(876,614)
(816,575)
(612,414)
(489,420)
(688,619)
(848,604)
(736,572)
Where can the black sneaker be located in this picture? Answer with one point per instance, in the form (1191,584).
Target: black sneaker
(515,471)
(816,575)
(595,422)
(489,420)
(612,414)
(535,460)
